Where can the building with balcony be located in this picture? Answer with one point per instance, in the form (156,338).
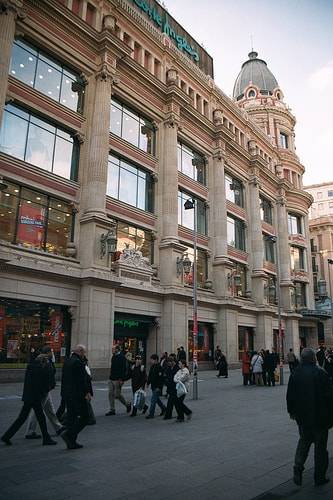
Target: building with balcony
(110,121)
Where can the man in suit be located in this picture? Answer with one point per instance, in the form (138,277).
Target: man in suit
(35,390)
(310,403)
(76,393)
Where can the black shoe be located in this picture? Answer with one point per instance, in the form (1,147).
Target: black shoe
(75,446)
(33,435)
(133,414)
(7,441)
(149,417)
(179,420)
(111,412)
(48,442)
(162,412)
(128,407)
(189,416)
(59,431)
(66,438)
(167,418)
(297,477)
(145,408)
(321,482)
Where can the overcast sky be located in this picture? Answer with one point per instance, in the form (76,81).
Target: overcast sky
(295,38)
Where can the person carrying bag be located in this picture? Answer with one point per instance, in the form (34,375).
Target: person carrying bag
(181,379)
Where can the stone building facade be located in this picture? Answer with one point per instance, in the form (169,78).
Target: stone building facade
(111,121)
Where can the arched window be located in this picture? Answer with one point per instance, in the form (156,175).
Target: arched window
(251,93)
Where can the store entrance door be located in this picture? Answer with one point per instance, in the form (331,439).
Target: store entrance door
(131,333)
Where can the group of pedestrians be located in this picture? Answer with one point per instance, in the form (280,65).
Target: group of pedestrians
(76,393)
(172,372)
(258,367)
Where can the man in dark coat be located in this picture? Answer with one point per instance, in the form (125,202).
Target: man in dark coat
(271,364)
(170,372)
(156,381)
(35,390)
(76,393)
(310,403)
(118,374)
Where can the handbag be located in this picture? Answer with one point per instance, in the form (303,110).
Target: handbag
(181,389)
(139,399)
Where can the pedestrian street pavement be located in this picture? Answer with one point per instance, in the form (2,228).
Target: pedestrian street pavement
(239,445)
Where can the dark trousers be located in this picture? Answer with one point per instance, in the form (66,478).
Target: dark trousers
(319,437)
(61,410)
(271,377)
(23,415)
(181,408)
(171,403)
(246,378)
(77,417)
(264,376)
(291,367)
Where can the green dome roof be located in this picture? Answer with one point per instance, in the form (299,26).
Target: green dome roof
(254,71)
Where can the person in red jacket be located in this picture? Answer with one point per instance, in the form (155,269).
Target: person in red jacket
(246,367)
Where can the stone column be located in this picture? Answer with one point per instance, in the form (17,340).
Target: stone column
(257,248)
(93,220)
(284,252)
(221,264)
(10,10)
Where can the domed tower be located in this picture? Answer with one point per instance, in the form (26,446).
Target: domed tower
(257,91)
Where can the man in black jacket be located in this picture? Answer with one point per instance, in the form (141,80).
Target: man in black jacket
(310,403)
(156,381)
(118,374)
(36,387)
(76,392)
(170,372)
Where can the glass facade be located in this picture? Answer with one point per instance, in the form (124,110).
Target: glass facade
(234,190)
(205,349)
(34,220)
(132,127)
(48,76)
(186,217)
(297,260)
(269,249)
(266,211)
(295,224)
(134,237)
(25,326)
(236,233)
(191,164)
(129,184)
(36,141)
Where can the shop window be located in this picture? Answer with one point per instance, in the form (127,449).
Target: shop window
(191,163)
(201,267)
(34,220)
(237,280)
(27,326)
(234,190)
(295,224)
(205,345)
(186,217)
(132,127)
(269,249)
(266,210)
(129,236)
(236,232)
(297,258)
(129,184)
(48,76)
(32,139)
(284,141)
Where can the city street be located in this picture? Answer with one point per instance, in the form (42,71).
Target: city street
(239,445)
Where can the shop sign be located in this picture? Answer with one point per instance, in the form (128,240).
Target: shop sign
(127,323)
(164,26)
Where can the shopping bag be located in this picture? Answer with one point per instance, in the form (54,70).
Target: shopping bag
(277,377)
(181,389)
(139,399)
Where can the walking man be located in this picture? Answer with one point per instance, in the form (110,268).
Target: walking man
(35,390)
(155,380)
(118,375)
(310,403)
(292,361)
(47,402)
(76,393)
(170,373)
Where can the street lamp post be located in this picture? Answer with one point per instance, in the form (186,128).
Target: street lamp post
(278,297)
(330,263)
(188,205)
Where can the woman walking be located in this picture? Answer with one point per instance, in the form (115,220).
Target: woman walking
(139,379)
(182,376)
(256,365)
(246,368)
